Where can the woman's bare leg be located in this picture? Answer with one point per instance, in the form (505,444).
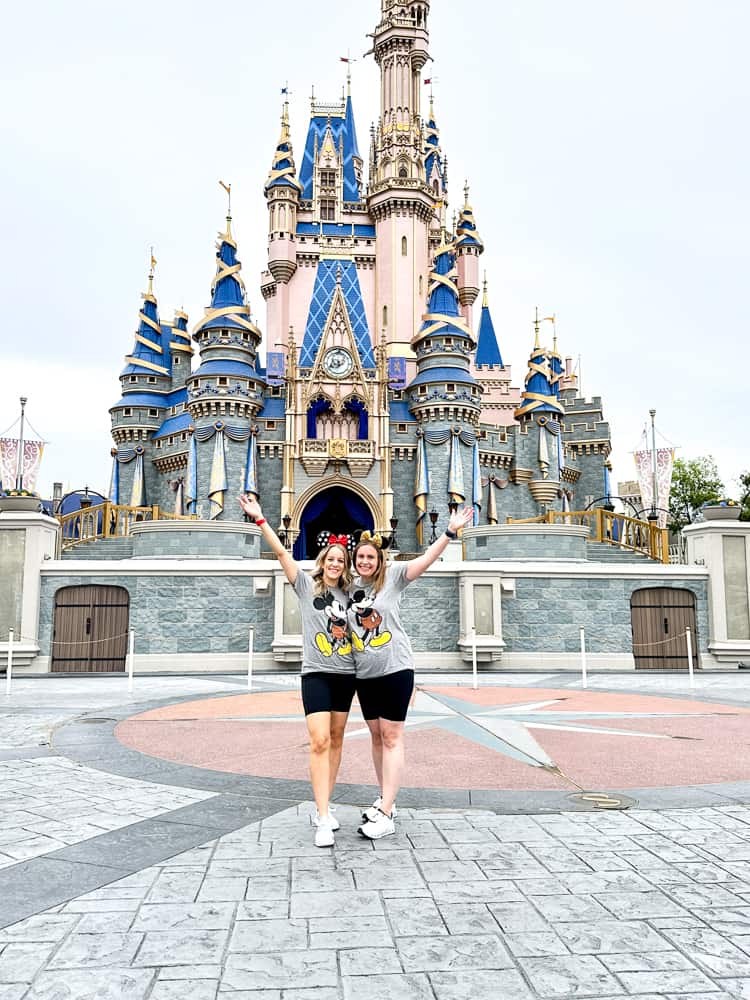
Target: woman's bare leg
(376,747)
(392,739)
(338,725)
(319,730)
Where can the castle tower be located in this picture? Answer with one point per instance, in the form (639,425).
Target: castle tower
(225,391)
(538,450)
(282,191)
(469,246)
(500,398)
(400,201)
(181,350)
(146,382)
(444,397)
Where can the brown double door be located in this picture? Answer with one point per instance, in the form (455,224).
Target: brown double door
(660,617)
(90,633)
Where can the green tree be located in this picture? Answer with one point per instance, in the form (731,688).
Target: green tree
(745,496)
(694,481)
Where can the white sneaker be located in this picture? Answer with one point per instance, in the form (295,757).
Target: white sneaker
(383,826)
(375,810)
(334,823)
(324,833)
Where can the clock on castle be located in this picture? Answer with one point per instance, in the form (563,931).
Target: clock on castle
(382,392)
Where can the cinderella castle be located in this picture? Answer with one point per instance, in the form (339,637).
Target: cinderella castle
(384,396)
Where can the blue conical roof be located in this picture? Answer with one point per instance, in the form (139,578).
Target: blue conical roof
(343,134)
(539,395)
(282,172)
(432,150)
(443,310)
(228,305)
(149,356)
(488,351)
(466,229)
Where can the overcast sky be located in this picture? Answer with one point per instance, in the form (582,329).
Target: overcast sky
(605,145)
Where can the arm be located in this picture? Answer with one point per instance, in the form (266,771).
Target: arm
(252,509)
(416,567)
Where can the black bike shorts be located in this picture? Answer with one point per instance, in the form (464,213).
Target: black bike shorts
(327,692)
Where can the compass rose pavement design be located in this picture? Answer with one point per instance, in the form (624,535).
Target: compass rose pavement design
(492,738)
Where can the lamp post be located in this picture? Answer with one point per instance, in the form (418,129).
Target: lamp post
(286,521)
(652,515)
(19,466)
(433,515)
(85,499)
(394,525)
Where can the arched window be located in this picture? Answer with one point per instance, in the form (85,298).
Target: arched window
(385,317)
(436,188)
(420,285)
(402,171)
(404,246)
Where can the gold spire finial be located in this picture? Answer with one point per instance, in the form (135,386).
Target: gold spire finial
(536,328)
(466,194)
(228,189)
(152,267)
(485,303)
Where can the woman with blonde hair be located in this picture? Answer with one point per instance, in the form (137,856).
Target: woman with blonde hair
(327,662)
(383,659)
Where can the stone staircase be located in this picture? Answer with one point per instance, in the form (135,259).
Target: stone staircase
(603,552)
(101,548)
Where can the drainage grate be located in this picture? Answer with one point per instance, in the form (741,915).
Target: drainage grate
(600,800)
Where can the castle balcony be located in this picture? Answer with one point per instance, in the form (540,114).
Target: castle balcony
(315,454)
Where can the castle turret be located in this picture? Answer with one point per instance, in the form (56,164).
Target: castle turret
(436,176)
(146,382)
(180,348)
(282,193)
(225,391)
(469,246)
(400,201)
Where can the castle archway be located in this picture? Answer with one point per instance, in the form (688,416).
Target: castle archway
(335,508)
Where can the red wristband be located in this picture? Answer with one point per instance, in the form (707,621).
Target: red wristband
(260,520)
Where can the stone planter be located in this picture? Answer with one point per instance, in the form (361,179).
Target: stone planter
(719,513)
(18,504)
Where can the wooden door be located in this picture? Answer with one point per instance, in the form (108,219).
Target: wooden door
(90,633)
(659,618)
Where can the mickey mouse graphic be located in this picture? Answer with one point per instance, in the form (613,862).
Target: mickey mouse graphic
(369,619)
(337,637)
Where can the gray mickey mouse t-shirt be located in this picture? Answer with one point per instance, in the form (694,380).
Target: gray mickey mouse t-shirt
(326,643)
(378,639)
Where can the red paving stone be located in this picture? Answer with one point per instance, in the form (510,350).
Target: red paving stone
(220,734)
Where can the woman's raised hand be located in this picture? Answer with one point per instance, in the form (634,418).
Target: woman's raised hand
(460,518)
(250,506)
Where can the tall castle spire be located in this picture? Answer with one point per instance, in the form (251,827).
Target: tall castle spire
(488,351)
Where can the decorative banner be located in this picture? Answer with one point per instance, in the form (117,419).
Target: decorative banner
(543,453)
(275,368)
(217,486)
(191,486)
(421,487)
(138,492)
(32,456)
(179,498)
(397,373)
(476,484)
(251,468)
(456,471)
(114,482)
(491,502)
(644,467)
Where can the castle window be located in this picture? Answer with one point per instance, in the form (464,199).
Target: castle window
(385,317)
(183,436)
(224,334)
(449,341)
(133,378)
(327,209)
(172,411)
(451,387)
(152,378)
(483,435)
(404,246)
(420,285)
(270,425)
(177,359)
(171,439)
(127,412)
(422,390)
(401,428)
(153,413)
(221,380)
(276,391)
(328,178)
(158,444)
(402,171)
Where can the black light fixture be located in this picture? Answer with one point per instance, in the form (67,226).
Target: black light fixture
(394,525)
(286,521)
(85,499)
(433,515)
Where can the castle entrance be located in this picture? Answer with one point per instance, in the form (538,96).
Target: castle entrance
(336,510)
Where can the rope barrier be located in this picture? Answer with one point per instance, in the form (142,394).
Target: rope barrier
(660,642)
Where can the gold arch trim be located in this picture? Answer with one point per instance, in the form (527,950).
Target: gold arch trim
(347,484)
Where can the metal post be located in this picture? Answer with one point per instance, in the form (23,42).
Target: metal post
(19,466)
(653,461)
(250,645)
(584,678)
(9,671)
(689,639)
(474,657)
(131,658)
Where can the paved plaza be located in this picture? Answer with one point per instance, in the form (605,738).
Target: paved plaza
(158,844)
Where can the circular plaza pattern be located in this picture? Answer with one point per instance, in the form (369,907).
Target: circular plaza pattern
(515,738)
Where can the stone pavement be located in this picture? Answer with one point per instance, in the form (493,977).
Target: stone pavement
(139,878)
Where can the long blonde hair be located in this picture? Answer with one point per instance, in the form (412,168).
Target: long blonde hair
(377,580)
(317,574)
